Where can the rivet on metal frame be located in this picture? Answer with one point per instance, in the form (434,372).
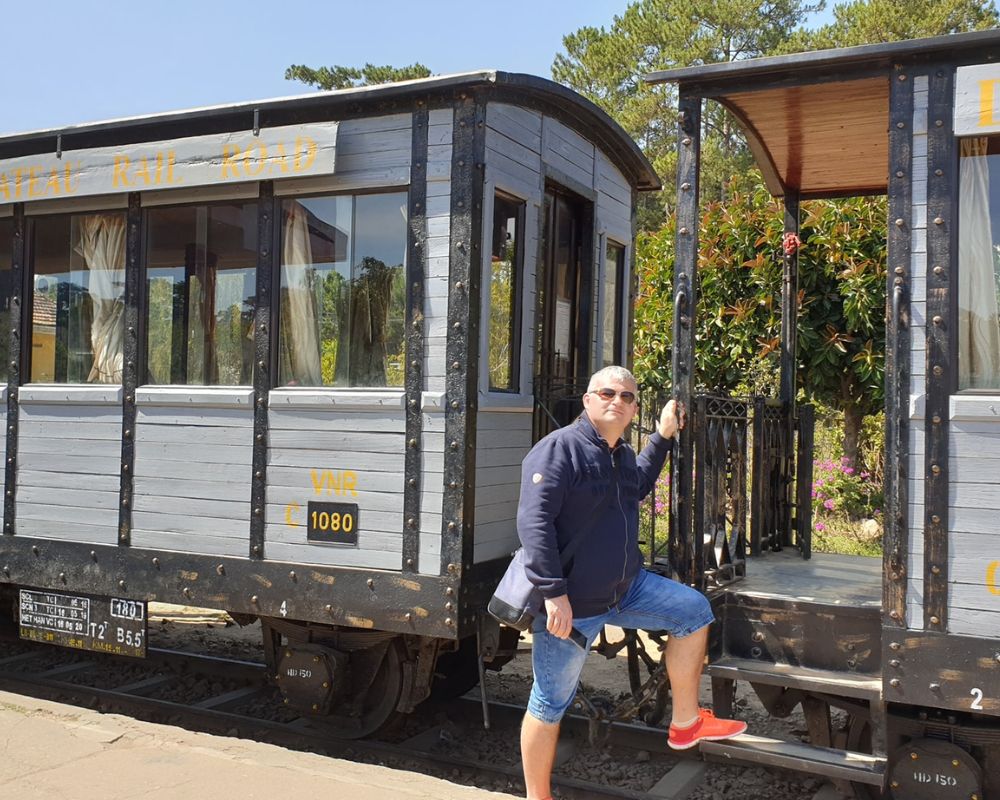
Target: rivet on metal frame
(936,570)
(935,620)
(936,469)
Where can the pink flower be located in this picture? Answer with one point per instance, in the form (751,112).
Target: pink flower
(848,470)
(814,494)
(820,527)
(829,505)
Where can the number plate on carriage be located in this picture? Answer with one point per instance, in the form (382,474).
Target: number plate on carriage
(102,624)
(332,522)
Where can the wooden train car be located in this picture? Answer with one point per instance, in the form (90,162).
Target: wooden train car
(280,358)
(909,648)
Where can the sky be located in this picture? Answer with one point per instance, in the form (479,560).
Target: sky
(69,62)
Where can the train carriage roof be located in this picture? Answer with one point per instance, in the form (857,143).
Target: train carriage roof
(817,122)
(515,88)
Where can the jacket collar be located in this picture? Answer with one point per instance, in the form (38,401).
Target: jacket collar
(591,433)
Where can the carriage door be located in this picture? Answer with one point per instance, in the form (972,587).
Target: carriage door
(565,286)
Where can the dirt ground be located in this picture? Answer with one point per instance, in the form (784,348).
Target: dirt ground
(213,632)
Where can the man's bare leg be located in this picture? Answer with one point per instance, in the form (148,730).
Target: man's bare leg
(685,659)
(538,754)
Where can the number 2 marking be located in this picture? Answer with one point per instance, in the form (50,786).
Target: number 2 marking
(977,704)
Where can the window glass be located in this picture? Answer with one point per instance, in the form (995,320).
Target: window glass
(6,290)
(613,303)
(200,288)
(505,277)
(77,303)
(343,291)
(979,263)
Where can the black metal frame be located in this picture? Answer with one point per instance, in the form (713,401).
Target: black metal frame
(132,363)
(15,365)
(897,349)
(941,202)
(685,304)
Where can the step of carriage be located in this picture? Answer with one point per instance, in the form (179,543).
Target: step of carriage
(865,686)
(799,757)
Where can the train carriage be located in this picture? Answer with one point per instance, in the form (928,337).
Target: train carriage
(280,358)
(909,648)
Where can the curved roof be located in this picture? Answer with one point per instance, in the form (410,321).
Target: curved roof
(817,122)
(516,88)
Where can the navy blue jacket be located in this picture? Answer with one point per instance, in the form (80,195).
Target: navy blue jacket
(564,482)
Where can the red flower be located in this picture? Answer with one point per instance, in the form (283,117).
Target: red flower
(791,243)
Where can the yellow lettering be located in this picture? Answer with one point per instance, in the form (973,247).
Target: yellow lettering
(159,167)
(119,177)
(52,185)
(68,172)
(171,178)
(4,187)
(351,482)
(317,480)
(230,153)
(991,577)
(33,183)
(261,160)
(332,482)
(17,182)
(142,172)
(305,153)
(989,109)
(282,158)
(290,509)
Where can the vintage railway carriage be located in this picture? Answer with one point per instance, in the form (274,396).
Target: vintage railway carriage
(909,648)
(280,358)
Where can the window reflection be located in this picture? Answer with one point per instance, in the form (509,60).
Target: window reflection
(979,263)
(200,287)
(6,290)
(77,304)
(343,291)
(505,268)
(613,303)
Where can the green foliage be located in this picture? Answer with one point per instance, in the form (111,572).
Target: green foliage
(341,77)
(606,65)
(870,21)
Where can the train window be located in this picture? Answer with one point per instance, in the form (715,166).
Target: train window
(979,263)
(200,283)
(506,260)
(613,303)
(343,290)
(6,288)
(77,302)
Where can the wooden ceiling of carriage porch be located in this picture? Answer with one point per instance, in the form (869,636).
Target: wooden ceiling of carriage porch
(818,122)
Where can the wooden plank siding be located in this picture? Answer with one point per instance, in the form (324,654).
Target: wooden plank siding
(503,438)
(918,353)
(69,457)
(439,149)
(326,452)
(193,463)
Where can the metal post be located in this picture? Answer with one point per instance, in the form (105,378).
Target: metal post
(685,305)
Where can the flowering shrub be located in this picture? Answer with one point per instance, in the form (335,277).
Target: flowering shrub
(838,487)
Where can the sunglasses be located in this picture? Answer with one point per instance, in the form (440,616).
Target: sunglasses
(609,394)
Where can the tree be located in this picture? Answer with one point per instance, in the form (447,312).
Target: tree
(870,21)
(841,326)
(607,65)
(340,77)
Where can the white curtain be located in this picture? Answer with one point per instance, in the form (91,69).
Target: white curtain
(300,324)
(101,242)
(978,316)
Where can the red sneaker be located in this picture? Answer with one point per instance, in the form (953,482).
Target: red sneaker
(707,728)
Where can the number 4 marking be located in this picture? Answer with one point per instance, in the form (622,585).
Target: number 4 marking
(284,612)
(977,704)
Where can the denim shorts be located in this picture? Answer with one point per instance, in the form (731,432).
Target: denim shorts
(652,603)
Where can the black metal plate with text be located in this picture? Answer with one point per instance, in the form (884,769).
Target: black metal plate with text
(333,522)
(102,624)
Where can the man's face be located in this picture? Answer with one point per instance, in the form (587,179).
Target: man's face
(605,409)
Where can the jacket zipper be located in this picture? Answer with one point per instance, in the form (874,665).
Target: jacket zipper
(618,489)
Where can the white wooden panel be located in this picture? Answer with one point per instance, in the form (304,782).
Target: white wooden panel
(565,146)
(100,448)
(98,517)
(967,622)
(31,428)
(180,489)
(68,495)
(333,556)
(379,462)
(182,522)
(330,481)
(70,465)
(278,516)
(180,542)
(151,455)
(68,531)
(517,123)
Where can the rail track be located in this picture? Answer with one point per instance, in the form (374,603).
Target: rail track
(234,697)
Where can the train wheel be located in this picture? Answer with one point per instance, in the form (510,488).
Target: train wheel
(856,737)
(456,672)
(377,708)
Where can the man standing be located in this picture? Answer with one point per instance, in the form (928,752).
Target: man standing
(584,480)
